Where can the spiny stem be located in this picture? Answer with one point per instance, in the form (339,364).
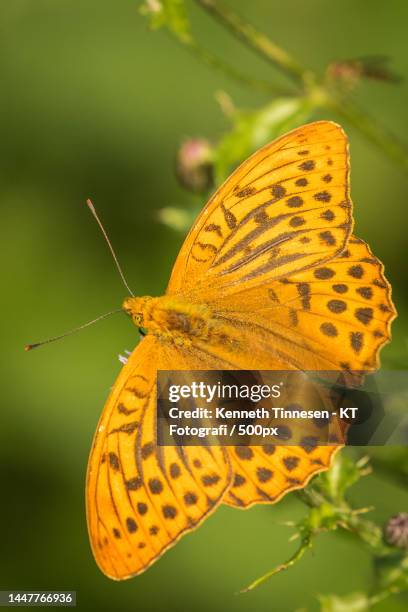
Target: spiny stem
(350,521)
(306,543)
(310,496)
(369,533)
(256,40)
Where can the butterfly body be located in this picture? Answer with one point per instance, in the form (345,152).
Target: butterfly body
(270,277)
(174,320)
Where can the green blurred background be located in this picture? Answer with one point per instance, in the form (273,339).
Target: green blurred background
(95,105)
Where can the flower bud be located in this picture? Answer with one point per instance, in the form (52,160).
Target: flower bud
(350,72)
(194,165)
(396,530)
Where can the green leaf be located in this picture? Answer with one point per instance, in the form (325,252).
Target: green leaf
(253,129)
(355,602)
(343,474)
(170,14)
(392,572)
(178,219)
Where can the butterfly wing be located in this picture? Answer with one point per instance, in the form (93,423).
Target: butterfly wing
(141,497)
(334,316)
(283,210)
(263,474)
(272,257)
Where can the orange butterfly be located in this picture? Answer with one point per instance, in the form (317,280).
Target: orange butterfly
(269,277)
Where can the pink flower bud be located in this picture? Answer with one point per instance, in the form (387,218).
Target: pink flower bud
(194,165)
(396,530)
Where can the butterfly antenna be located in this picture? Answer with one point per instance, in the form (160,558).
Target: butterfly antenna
(29,347)
(93,211)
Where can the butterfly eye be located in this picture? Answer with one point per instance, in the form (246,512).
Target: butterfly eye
(138,319)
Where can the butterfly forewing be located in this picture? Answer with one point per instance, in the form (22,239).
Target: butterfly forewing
(285,209)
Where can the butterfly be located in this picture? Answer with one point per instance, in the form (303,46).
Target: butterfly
(269,277)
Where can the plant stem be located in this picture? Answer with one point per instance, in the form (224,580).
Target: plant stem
(307,79)
(367,531)
(230,71)
(256,40)
(306,543)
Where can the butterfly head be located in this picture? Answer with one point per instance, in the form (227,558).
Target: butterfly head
(136,307)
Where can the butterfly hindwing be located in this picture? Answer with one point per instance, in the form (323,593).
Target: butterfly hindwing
(263,474)
(332,316)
